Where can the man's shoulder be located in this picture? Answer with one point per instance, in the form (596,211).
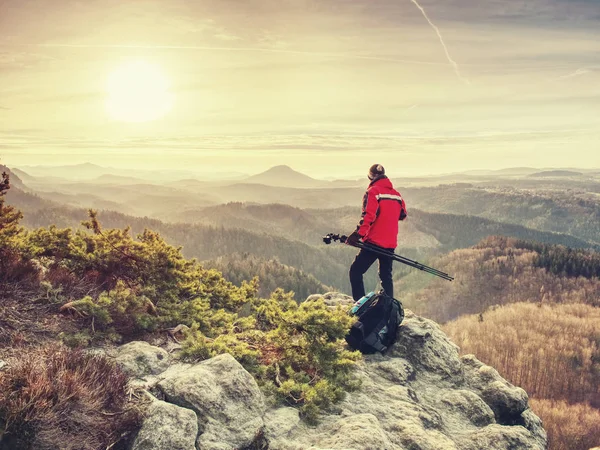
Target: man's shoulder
(376,190)
(391,190)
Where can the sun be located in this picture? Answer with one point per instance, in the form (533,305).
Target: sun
(138,92)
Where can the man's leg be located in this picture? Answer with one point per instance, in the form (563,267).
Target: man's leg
(361,264)
(385,274)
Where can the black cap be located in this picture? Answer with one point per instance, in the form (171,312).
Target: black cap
(375,171)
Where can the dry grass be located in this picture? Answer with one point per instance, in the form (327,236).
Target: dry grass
(569,427)
(53,397)
(26,322)
(15,269)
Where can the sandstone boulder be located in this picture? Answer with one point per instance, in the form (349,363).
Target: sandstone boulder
(333,299)
(507,401)
(140,359)
(227,400)
(167,426)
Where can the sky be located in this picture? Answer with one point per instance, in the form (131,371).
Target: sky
(328,87)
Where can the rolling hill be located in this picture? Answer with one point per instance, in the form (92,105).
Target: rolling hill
(15,181)
(557,173)
(423,230)
(500,271)
(272,275)
(290,235)
(551,204)
(562,211)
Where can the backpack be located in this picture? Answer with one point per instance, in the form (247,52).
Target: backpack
(376,329)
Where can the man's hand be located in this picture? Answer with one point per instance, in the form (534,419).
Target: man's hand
(353,239)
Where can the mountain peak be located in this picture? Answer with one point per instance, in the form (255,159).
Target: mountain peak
(284,176)
(282,167)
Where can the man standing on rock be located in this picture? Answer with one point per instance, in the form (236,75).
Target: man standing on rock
(383,207)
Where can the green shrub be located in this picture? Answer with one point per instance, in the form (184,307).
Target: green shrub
(295,351)
(125,287)
(119,310)
(132,285)
(13,266)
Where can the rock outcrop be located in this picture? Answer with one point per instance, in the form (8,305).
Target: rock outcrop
(420,395)
(228,402)
(140,359)
(167,426)
(333,299)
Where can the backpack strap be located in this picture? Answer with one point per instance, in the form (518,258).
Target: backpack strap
(356,335)
(373,339)
(396,318)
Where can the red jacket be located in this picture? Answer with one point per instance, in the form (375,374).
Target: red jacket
(383,207)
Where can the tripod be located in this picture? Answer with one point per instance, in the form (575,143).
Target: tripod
(381,251)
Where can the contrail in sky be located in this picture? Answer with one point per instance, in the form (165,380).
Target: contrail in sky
(439,34)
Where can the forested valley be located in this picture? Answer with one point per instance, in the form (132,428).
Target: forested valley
(525,297)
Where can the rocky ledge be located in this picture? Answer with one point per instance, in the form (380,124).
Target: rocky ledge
(420,396)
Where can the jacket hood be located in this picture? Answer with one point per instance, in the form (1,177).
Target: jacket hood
(382,181)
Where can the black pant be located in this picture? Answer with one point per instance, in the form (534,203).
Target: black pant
(363,261)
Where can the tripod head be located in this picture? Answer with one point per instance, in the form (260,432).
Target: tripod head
(334,237)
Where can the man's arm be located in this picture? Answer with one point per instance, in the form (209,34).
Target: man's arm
(369,212)
(403,211)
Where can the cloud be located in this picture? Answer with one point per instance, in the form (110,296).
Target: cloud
(21,60)
(227,37)
(304,143)
(242,49)
(205,27)
(577,73)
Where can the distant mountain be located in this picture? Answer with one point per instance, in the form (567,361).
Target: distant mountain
(86,201)
(24,176)
(556,173)
(89,171)
(507,171)
(284,176)
(71,172)
(118,179)
(346,183)
(14,179)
